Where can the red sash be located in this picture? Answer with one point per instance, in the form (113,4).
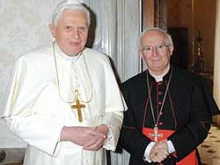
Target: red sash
(164,134)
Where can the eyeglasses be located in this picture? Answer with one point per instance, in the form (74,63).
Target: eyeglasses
(151,49)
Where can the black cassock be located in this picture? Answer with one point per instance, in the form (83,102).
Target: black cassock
(187,111)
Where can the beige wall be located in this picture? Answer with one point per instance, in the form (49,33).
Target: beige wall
(23,27)
(180,14)
(205,13)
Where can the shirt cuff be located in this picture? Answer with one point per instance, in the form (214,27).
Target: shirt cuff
(171,148)
(147,152)
(109,140)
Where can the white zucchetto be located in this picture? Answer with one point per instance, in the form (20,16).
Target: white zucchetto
(69,2)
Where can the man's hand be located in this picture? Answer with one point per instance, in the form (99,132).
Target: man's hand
(97,142)
(159,152)
(91,138)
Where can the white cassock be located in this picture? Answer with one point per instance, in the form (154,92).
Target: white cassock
(39,104)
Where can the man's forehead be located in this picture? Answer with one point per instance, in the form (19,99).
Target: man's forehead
(155,33)
(154,37)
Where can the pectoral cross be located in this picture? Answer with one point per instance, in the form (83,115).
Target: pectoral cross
(155,134)
(78,106)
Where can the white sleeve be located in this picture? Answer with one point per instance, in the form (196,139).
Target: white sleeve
(37,131)
(114,121)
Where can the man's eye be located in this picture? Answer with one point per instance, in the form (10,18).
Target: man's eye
(147,48)
(82,28)
(68,27)
(160,46)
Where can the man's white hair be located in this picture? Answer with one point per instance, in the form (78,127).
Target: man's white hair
(169,40)
(68,4)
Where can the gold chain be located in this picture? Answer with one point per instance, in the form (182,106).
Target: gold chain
(76,92)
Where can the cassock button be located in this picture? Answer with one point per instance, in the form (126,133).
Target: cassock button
(159,102)
(160,93)
(160,123)
(159,83)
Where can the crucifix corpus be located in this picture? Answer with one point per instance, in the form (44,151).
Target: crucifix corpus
(78,106)
(155,134)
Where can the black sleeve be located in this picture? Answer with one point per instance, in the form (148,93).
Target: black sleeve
(187,138)
(131,138)
(207,87)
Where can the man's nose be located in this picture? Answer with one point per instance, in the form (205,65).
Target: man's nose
(154,51)
(75,34)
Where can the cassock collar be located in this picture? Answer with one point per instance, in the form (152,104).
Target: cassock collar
(164,77)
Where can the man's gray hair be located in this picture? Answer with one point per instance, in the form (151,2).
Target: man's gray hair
(72,5)
(168,36)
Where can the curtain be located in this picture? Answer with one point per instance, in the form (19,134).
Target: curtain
(216,88)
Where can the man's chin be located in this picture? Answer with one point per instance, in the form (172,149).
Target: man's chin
(74,52)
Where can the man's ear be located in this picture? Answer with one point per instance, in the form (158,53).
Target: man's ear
(53,30)
(140,53)
(171,48)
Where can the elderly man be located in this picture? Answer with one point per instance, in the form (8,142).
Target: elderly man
(169,109)
(63,99)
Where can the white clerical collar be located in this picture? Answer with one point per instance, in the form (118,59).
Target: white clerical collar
(65,56)
(159,78)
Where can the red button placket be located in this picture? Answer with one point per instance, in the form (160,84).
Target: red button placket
(160,95)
